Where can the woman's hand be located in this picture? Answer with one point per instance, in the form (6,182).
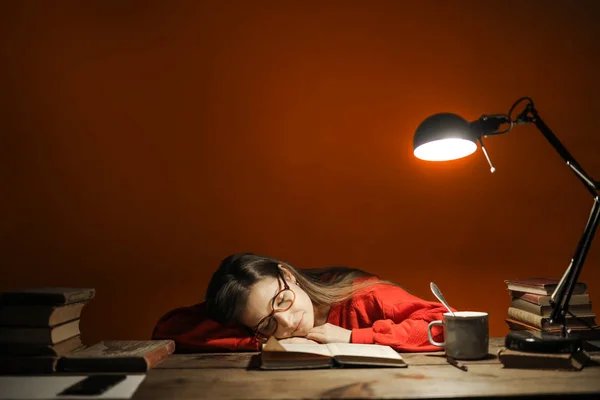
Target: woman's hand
(297,340)
(329,333)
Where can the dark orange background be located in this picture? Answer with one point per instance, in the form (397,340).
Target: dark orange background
(142,142)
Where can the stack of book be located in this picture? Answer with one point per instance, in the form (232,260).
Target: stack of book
(38,326)
(530,307)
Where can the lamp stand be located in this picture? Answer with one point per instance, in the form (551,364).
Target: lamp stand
(566,341)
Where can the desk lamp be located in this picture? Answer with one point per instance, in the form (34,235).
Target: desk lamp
(446,136)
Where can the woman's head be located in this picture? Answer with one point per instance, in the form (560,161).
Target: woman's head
(260,293)
(271,295)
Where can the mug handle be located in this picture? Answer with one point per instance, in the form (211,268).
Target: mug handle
(433,342)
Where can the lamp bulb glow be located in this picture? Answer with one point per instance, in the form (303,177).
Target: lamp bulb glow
(445,149)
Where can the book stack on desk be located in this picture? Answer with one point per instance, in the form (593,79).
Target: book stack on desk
(530,307)
(38,326)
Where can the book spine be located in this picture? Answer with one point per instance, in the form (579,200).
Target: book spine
(540,300)
(515,325)
(526,306)
(527,289)
(532,298)
(526,317)
(544,323)
(579,310)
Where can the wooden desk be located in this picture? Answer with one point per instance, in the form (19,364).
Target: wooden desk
(428,376)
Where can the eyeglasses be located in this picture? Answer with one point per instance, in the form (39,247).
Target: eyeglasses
(283,301)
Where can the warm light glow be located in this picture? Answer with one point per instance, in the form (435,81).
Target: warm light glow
(445,149)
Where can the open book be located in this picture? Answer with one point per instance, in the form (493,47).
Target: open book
(276,355)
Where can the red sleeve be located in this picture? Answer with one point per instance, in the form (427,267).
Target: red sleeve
(403,323)
(194,332)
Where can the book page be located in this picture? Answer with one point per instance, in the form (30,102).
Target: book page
(308,348)
(363,350)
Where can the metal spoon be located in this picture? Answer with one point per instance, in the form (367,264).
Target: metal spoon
(436,291)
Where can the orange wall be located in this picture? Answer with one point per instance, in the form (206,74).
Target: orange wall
(143,142)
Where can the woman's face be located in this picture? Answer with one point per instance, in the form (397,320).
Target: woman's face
(298,320)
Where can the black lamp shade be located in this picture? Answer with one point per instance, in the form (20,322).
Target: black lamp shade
(443,137)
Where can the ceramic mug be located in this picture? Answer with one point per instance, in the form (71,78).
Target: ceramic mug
(466,334)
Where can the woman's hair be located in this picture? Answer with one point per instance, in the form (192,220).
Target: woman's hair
(230,285)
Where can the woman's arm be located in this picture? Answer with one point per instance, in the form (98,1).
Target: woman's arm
(194,332)
(407,336)
(388,315)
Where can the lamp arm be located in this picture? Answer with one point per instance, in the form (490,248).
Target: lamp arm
(562,294)
(530,114)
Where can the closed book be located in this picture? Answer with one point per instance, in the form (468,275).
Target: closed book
(27,365)
(117,356)
(557,361)
(47,335)
(544,300)
(276,355)
(58,349)
(544,322)
(545,311)
(585,334)
(543,286)
(50,295)
(38,315)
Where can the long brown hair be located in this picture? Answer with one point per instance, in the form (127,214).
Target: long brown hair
(230,285)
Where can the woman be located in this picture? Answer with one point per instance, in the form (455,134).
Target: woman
(251,298)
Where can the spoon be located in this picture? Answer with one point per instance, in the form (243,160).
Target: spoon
(436,291)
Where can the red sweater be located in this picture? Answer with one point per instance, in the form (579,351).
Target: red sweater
(380,314)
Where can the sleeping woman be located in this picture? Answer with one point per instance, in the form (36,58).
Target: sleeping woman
(251,298)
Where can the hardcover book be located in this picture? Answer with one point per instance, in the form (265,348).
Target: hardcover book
(28,365)
(543,286)
(544,322)
(44,336)
(584,333)
(562,361)
(582,310)
(46,296)
(39,315)
(58,349)
(117,356)
(544,300)
(276,355)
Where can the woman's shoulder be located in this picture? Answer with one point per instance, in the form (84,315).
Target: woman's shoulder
(373,288)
